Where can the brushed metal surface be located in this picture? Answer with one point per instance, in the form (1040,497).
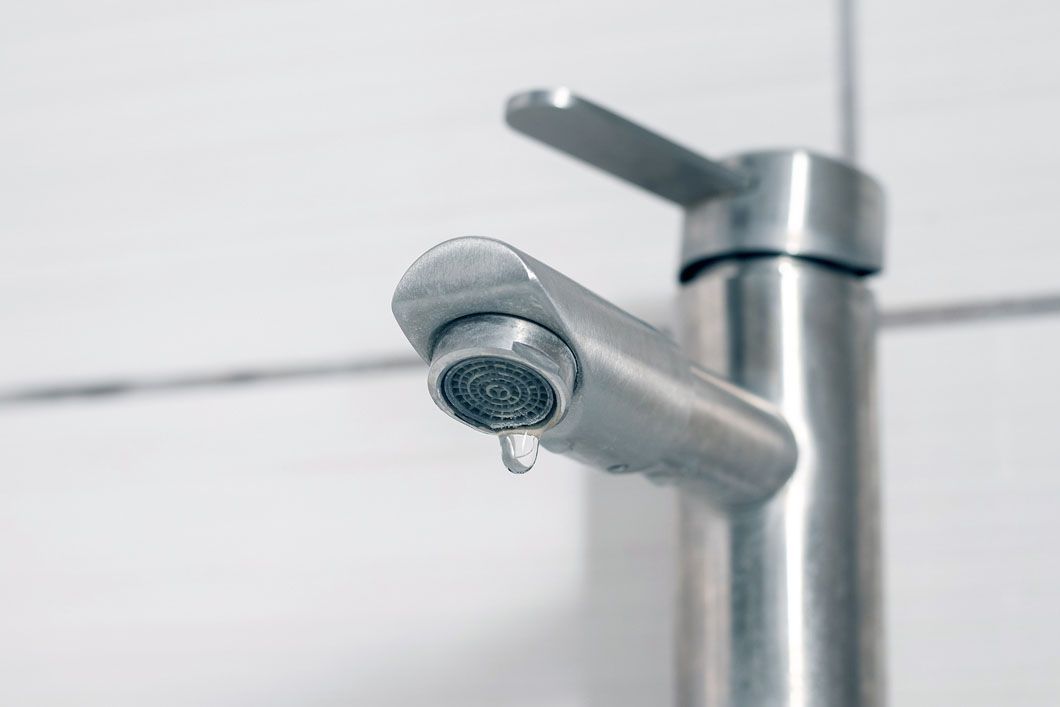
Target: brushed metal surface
(638,404)
(772,202)
(780,604)
(801,203)
(620,147)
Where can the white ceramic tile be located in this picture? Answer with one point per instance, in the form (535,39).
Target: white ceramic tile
(215,183)
(287,545)
(972,488)
(292,544)
(962,100)
(630,581)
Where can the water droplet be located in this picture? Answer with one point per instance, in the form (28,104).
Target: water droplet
(518,451)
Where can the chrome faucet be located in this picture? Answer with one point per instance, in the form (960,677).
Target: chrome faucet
(519,350)
(764,417)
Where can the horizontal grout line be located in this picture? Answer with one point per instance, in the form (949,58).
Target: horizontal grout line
(900,318)
(217,379)
(966,312)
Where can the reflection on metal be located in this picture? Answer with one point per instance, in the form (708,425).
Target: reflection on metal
(764,417)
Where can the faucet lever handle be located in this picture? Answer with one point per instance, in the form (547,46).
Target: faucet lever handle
(606,140)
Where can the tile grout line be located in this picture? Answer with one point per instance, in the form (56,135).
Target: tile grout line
(899,318)
(848,79)
(993,310)
(110,388)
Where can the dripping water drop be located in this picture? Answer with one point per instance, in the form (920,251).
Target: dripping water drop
(518,451)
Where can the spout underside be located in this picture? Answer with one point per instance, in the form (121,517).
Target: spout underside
(636,404)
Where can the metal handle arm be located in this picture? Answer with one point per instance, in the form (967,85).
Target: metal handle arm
(609,142)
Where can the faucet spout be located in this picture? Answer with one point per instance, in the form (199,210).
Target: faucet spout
(517,347)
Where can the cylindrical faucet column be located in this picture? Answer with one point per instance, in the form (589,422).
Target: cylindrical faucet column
(780,602)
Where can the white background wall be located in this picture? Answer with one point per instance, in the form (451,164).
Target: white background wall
(200,186)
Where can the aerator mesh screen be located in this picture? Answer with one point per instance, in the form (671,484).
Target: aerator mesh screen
(497,393)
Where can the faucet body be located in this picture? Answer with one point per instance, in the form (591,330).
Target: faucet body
(763,416)
(779,603)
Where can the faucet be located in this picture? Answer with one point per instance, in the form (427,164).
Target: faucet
(519,350)
(763,417)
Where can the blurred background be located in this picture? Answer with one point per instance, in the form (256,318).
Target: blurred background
(221,479)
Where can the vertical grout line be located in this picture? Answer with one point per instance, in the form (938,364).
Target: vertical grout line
(847,41)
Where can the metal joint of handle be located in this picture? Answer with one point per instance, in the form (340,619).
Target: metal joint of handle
(790,202)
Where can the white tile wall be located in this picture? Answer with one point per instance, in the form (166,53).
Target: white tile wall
(204,184)
(195,184)
(971,492)
(962,100)
(288,545)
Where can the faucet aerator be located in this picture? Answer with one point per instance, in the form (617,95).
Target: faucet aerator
(501,374)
